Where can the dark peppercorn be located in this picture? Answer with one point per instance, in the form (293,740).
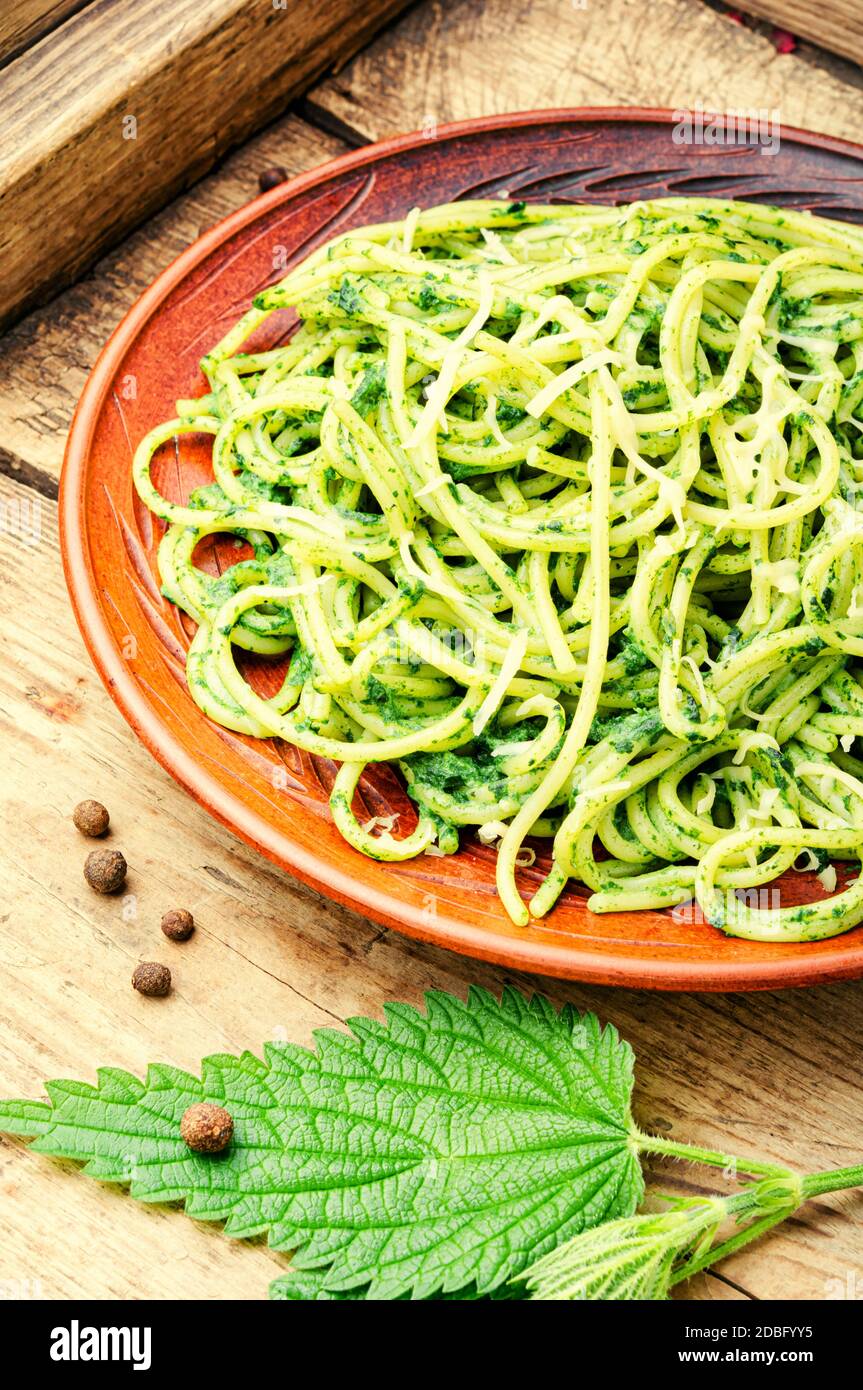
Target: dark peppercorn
(105,870)
(178,924)
(91,818)
(271,178)
(151,978)
(207,1128)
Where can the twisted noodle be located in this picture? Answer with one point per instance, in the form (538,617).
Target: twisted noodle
(556,507)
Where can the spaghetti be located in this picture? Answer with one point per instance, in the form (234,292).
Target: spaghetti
(556,507)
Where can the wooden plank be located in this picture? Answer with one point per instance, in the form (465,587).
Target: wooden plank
(446,62)
(834,24)
(774,1076)
(44,360)
(92,147)
(25,22)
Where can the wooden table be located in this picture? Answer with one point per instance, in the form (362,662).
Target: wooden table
(775,1075)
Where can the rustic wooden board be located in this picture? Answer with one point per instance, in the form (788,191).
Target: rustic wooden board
(444,62)
(773,1075)
(44,359)
(835,24)
(25,22)
(103,144)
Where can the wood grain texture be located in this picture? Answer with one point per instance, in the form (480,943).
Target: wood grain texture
(447,61)
(25,22)
(91,147)
(45,359)
(772,1075)
(835,24)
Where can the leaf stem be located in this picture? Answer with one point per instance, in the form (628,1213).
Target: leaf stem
(728,1247)
(651,1143)
(833,1180)
(742,1202)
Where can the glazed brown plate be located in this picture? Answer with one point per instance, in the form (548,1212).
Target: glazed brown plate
(266,791)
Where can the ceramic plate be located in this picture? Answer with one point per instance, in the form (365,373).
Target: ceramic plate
(267,792)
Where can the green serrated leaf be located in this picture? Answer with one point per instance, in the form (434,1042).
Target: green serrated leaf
(308,1286)
(414,1157)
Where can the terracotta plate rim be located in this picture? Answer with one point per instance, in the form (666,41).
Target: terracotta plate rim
(334,880)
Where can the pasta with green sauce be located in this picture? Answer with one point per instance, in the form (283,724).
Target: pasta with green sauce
(556,509)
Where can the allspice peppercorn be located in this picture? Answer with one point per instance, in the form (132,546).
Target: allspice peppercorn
(105,870)
(178,924)
(207,1128)
(91,818)
(271,178)
(151,978)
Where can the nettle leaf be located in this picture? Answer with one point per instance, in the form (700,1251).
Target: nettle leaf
(415,1157)
(308,1286)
